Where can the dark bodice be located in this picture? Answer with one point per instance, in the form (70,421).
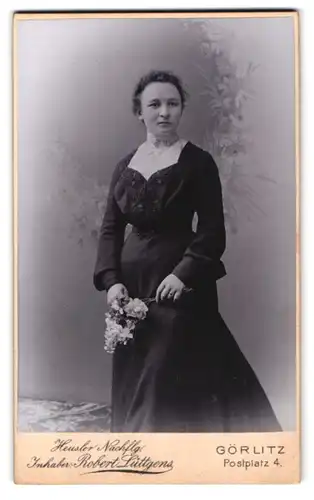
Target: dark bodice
(164,205)
(157,204)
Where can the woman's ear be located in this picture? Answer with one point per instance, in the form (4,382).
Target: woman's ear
(140,116)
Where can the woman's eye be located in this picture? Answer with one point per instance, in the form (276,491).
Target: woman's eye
(157,104)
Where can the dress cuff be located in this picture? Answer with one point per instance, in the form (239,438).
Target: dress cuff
(105,280)
(184,272)
(192,274)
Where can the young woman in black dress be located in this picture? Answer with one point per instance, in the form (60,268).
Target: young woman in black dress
(183,371)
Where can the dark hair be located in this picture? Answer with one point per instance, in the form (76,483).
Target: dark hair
(157,76)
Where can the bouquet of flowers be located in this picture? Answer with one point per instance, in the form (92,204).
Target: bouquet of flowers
(121,319)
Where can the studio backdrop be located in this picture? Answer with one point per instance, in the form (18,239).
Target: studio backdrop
(75,83)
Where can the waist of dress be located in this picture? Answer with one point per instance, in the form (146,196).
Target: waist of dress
(182,231)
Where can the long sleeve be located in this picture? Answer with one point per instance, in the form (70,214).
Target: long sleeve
(202,257)
(111,238)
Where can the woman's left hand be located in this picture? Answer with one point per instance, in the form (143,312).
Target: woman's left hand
(170,288)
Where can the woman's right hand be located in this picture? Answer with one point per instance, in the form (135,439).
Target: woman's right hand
(116,291)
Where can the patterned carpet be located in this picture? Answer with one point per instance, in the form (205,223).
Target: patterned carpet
(36,415)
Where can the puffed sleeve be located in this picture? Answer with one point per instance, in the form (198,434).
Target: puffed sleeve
(202,257)
(111,238)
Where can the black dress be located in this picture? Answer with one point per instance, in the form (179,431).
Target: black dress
(183,371)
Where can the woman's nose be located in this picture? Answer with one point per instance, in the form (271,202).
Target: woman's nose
(164,111)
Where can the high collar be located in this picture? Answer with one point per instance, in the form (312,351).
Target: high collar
(157,143)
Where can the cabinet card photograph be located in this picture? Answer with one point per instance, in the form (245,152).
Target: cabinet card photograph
(156,247)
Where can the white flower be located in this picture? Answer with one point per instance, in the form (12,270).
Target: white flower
(132,312)
(136,309)
(126,334)
(116,306)
(112,325)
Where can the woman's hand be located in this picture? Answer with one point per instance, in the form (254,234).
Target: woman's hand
(170,288)
(116,291)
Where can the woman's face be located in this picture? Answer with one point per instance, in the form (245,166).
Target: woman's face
(161,108)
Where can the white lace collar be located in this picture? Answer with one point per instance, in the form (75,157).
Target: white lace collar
(150,158)
(159,144)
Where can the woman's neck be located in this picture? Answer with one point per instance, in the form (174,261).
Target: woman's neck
(160,142)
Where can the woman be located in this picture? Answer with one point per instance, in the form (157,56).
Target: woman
(183,372)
